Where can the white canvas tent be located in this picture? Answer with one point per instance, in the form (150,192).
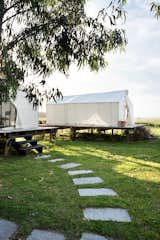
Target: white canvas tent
(25,116)
(91,110)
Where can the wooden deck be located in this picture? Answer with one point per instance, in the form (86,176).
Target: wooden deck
(43,129)
(99,128)
(95,127)
(10,134)
(73,129)
(35,131)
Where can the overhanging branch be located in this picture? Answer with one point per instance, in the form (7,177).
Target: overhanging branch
(13,5)
(16,14)
(29,33)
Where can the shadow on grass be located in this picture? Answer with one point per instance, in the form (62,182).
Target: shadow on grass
(134,181)
(52,202)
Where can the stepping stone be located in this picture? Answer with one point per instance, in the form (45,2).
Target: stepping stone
(7,229)
(45,235)
(42,157)
(87,180)
(77,172)
(96,192)
(107,214)
(56,160)
(70,165)
(90,236)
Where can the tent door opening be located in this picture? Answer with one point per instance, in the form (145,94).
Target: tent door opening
(8,115)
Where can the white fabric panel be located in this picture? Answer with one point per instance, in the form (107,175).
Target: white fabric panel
(56,113)
(27,117)
(126,111)
(122,110)
(91,114)
(130,116)
(114,113)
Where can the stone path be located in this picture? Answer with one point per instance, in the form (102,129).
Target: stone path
(96,192)
(107,214)
(87,180)
(45,235)
(42,157)
(56,160)
(79,172)
(70,165)
(90,236)
(7,229)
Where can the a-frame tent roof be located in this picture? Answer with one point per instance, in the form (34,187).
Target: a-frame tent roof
(115,96)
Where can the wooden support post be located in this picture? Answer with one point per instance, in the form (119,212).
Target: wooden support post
(7,146)
(127,135)
(73,133)
(112,137)
(50,136)
(53,133)
(112,131)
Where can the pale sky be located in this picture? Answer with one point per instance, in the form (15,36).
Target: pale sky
(137,69)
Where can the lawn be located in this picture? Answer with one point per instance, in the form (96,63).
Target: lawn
(38,194)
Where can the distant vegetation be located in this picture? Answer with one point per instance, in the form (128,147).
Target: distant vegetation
(149,122)
(152,124)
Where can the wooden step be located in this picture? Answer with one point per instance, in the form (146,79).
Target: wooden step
(19,143)
(27,136)
(24,150)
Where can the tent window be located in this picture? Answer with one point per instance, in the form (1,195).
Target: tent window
(8,115)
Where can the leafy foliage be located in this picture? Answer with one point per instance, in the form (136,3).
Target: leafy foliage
(155,8)
(37,96)
(43,36)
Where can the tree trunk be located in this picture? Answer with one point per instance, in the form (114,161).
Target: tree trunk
(1,15)
(1,29)
(1,20)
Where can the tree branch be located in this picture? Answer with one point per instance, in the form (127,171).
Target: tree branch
(1,16)
(27,33)
(14,15)
(12,6)
(155,8)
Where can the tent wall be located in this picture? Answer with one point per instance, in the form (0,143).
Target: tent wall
(122,110)
(27,117)
(91,110)
(126,111)
(83,114)
(130,115)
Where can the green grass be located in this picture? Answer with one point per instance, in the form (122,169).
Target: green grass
(37,194)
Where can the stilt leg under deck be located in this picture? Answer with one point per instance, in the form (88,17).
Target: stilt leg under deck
(7,146)
(53,134)
(73,133)
(112,135)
